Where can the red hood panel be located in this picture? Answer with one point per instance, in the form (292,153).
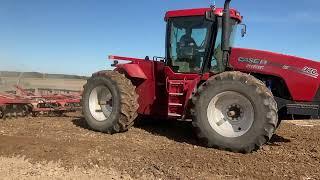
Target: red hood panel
(301,75)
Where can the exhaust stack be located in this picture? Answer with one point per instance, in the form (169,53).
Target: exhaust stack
(226,32)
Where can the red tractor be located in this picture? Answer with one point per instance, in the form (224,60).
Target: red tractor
(232,95)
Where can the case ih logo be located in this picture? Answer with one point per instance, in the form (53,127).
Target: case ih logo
(253,61)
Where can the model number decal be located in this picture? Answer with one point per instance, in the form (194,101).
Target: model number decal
(310,72)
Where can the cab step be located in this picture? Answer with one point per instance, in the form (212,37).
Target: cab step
(176,94)
(175,104)
(176,83)
(174,115)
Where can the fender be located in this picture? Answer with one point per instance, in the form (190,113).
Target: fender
(133,70)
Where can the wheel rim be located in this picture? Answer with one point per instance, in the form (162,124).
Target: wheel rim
(100,103)
(230,114)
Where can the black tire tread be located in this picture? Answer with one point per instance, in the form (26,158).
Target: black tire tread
(129,100)
(2,112)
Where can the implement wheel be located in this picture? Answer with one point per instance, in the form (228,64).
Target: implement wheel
(234,111)
(109,102)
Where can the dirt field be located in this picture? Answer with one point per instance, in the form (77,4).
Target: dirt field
(64,148)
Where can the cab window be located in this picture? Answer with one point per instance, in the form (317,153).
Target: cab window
(188,43)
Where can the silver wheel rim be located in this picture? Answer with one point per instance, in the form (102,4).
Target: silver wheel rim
(100,103)
(230,114)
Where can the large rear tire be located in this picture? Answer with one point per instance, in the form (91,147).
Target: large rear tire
(109,102)
(234,111)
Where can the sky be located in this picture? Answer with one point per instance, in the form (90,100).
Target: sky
(76,36)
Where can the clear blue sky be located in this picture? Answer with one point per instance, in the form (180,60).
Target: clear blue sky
(75,36)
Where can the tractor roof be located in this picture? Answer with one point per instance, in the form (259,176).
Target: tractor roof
(201,12)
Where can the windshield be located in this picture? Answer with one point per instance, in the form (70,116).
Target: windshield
(189,38)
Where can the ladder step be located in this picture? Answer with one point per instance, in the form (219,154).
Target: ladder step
(175,104)
(176,83)
(174,114)
(176,94)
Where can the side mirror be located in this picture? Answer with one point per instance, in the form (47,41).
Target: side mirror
(243,30)
(210,16)
(115,62)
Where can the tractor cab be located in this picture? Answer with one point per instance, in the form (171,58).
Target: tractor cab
(194,39)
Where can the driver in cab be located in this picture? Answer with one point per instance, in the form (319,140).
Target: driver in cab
(187,50)
(186,40)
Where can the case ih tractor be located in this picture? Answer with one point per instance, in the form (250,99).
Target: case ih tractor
(232,95)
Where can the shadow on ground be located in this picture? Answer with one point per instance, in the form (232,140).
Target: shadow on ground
(276,140)
(178,131)
(80,122)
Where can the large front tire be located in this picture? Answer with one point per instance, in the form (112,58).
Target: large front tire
(234,111)
(109,102)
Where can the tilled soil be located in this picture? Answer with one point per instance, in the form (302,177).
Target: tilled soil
(150,150)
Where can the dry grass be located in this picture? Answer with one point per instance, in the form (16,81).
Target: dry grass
(70,84)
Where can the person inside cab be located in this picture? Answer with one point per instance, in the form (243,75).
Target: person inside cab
(186,40)
(187,50)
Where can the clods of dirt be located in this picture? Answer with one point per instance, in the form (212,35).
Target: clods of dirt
(155,149)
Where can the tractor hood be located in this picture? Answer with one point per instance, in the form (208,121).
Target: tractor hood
(298,73)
